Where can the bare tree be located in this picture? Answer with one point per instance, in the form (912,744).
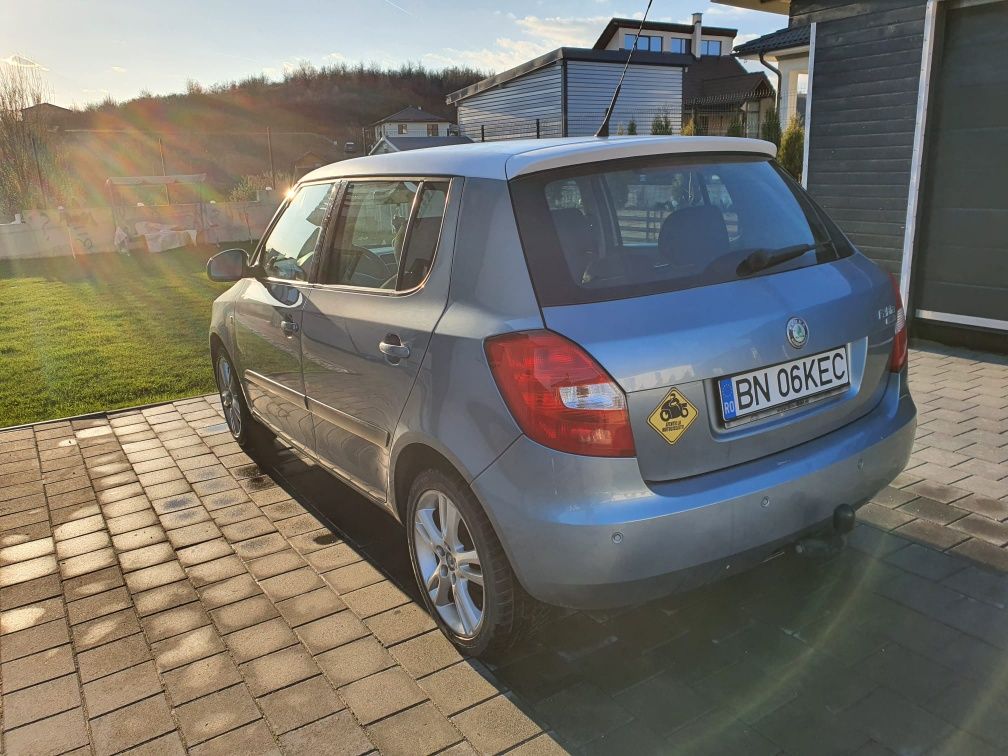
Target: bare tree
(30,160)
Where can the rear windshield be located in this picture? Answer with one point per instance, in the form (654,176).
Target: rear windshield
(628,228)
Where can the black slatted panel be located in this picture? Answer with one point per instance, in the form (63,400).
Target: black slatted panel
(864,102)
(962,253)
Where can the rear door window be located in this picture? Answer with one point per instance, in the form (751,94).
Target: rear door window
(629,228)
(386,234)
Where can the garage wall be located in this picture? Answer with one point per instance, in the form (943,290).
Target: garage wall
(509,111)
(864,100)
(646,91)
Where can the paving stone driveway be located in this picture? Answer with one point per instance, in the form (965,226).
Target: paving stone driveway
(159,590)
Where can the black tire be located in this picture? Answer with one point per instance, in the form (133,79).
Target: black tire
(250,433)
(505,604)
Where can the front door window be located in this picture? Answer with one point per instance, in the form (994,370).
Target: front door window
(288,252)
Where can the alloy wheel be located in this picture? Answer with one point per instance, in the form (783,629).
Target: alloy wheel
(448,563)
(227,384)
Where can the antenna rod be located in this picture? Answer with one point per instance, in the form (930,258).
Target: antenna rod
(603,130)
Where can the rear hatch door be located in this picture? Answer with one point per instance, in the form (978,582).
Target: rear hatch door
(677,272)
(664,348)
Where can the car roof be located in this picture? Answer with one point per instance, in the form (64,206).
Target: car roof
(506,159)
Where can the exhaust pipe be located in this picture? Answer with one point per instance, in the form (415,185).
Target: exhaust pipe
(829,544)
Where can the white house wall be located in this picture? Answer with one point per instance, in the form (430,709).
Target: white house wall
(510,111)
(790,69)
(646,91)
(616,43)
(413,128)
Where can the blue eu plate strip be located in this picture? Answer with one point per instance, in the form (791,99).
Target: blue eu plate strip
(728,406)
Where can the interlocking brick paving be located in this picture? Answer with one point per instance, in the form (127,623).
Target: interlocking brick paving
(161,589)
(953,495)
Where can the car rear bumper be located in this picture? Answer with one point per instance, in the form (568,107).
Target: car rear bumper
(586,532)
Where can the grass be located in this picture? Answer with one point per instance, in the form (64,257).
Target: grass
(103,332)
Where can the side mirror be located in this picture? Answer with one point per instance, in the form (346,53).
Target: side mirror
(229,265)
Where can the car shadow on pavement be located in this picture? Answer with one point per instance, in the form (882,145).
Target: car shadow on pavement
(887,646)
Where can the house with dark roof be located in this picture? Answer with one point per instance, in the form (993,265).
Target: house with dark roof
(678,72)
(786,54)
(403,143)
(906,139)
(411,122)
(52,116)
(718,90)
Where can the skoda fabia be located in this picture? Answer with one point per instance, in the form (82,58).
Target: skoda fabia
(583,372)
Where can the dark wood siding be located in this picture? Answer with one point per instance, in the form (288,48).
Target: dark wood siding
(806,11)
(864,102)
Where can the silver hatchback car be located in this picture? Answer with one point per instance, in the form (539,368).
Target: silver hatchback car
(583,372)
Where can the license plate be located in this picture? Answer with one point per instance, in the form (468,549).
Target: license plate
(787,383)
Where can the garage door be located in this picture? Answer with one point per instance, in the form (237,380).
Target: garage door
(961,266)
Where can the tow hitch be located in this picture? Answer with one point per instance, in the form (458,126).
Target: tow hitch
(831,543)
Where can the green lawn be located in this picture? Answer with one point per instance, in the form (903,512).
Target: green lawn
(103,332)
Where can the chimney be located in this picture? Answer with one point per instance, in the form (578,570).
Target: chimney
(697,26)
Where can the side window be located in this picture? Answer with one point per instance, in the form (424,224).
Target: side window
(289,250)
(424,233)
(386,234)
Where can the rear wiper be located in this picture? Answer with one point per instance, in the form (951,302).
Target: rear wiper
(761,259)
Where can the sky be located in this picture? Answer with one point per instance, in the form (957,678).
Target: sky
(90,50)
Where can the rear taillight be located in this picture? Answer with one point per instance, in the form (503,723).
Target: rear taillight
(898,360)
(559,395)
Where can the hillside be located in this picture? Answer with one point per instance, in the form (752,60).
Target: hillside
(221,129)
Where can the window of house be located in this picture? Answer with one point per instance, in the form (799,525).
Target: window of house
(402,128)
(288,251)
(432,129)
(386,234)
(652,43)
(801,95)
(679,45)
(710,47)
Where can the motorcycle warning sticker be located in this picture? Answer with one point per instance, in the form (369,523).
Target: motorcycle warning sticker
(673,416)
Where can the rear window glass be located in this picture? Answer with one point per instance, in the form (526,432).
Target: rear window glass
(629,228)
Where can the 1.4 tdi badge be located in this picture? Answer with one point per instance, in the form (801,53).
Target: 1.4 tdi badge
(673,416)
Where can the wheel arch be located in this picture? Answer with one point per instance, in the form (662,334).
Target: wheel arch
(414,457)
(216,346)
(410,461)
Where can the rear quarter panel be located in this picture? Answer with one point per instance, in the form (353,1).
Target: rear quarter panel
(455,406)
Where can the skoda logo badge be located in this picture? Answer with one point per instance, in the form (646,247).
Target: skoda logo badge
(797,332)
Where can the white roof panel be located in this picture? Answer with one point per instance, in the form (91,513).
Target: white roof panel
(510,158)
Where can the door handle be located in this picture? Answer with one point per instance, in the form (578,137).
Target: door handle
(393,348)
(289,327)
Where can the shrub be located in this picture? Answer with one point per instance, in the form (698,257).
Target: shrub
(662,124)
(770,128)
(631,128)
(735,128)
(792,147)
(689,129)
(246,188)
